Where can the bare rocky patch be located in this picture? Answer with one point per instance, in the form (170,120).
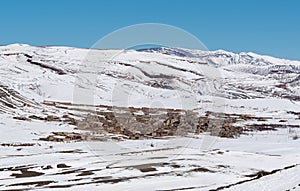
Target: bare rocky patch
(119,123)
(26,173)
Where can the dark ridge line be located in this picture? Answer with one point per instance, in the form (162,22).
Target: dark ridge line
(161,75)
(145,73)
(18,53)
(37,183)
(258,176)
(57,70)
(181,69)
(185,188)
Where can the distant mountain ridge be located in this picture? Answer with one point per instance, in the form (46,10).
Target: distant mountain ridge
(220,58)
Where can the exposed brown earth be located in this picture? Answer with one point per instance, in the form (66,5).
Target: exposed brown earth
(108,122)
(141,123)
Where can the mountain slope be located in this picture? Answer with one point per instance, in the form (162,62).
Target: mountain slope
(41,73)
(79,119)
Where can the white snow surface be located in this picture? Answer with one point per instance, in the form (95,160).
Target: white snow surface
(220,81)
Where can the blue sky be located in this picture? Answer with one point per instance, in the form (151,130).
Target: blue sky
(263,26)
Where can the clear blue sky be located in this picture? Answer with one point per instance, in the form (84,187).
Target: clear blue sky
(263,26)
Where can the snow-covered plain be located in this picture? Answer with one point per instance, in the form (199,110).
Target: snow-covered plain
(217,81)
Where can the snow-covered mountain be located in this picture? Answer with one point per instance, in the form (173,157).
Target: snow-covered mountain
(244,61)
(172,77)
(56,101)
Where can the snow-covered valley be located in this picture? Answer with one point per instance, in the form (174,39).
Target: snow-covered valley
(154,119)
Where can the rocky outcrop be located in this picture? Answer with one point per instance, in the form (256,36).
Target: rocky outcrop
(140,123)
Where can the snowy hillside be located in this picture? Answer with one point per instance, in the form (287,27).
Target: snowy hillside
(40,72)
(152,119)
